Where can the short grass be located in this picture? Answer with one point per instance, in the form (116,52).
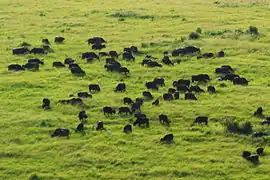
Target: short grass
(28,152)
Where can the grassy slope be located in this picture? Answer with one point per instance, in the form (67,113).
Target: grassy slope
(198,152)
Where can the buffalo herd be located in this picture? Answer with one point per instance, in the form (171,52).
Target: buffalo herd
(186,89)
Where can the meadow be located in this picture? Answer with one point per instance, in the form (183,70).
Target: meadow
(199,152)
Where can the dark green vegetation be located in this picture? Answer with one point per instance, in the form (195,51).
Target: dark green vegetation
(200,152)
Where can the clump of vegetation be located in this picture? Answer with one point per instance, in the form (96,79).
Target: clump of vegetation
(193,35)
(34,177)
(130,14)
(234,127)
(253,30)
(26,44)
(199,30)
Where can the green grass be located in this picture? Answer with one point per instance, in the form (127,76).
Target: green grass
(28,152)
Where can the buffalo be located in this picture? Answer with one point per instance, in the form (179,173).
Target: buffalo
(168,97)
(21,50)
(15,67)
(82,116)
(167,139)
(200,120)
(60,132)
(58,64)
(100,126)
(108,111)
(59,39)
(46,103)
(211,89)
(127,129)
(190,96)
(94,87)
(121,87)
(147,95)
(125,110)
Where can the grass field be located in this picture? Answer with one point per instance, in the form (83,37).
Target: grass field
(28,152)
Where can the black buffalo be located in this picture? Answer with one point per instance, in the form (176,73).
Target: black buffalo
(147,95)
(58,64)
(196,89)
(38,51)
(46,103)
(200,120)
(151,85)
(60,132)
(15,67)
(167,139)
(200,78)
(96,40)
(168,97)
(84,95)
(80,128)
(258,112)
(108,111)
(94,87)
(59,39)
(121,87)
(159,81)
(155,103)
(190,96)
(211,89)
(127,100)
(240,81)
(82,116)
(124,110)
(100,126)
(21,50)
(163,119)
(127,129)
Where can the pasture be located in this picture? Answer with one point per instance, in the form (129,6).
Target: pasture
(27,151)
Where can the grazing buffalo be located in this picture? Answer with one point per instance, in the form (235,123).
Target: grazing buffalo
(127,129)
(185,51)
(127,100)
(184,82)
(147,95)
(246,154)
(58,64)
(123,70)
(190,96)
(84,95)
(115,66)
(182,88)
(167,139)
(240,81)
(37,61)
(200,78)
(159,81)
(211,89)
(59,39)
(155,103)
(229,77)
(128,56)
(92,55)
(125,110)
(200,120)
(171,90)
(176,95)
(166,60)
(151,85)
(69,61)
(94,87)
(96,40)
(151,63)
(15,67)
(167,97)
(113,54)
(21,50)
(260,151)
(163,119)
(206,55)
(139,101)
(60,132)
(121,87)
(140,121)
(46,41)
(98,46)
(102,54)
(82,116)
(75,101)
(77,71)
(259,134)
(100,126)
(80,128)
(196,89)
(38,51)
(46,103)
(265,123)
(31,66)
(253,158)
(220,54)
(258,112)
(136,107)
(108,111)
